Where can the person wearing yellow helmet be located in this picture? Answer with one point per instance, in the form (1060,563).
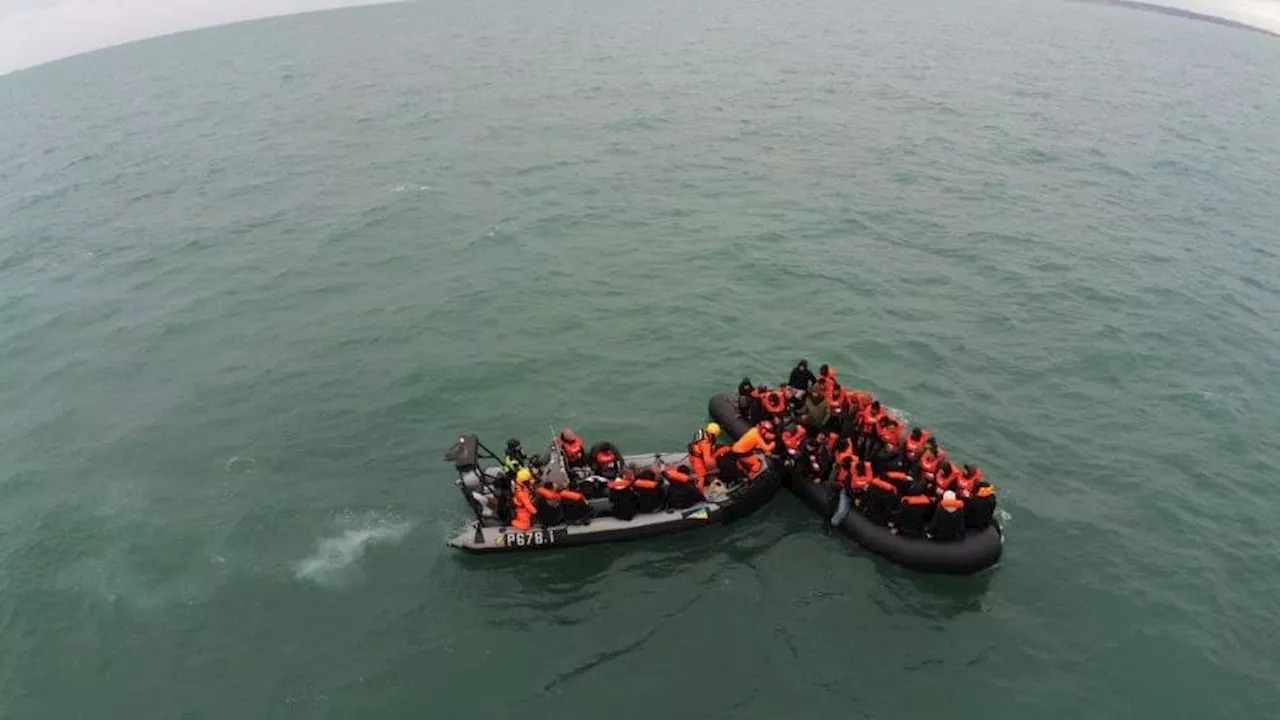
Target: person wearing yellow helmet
(702,452)
(522,500)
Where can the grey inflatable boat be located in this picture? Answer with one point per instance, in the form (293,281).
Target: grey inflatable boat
(483,488)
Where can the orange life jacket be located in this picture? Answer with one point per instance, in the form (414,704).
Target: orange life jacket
(951,505)
(646,484)
(862,476)
(774,403)
(898,478)
(890,434)
(945,479)
(969,481)
(884,485)
(793,438)
(915,446)
(916,500)
(572,496)
(605,457)
(858,400)
(870,418)
(929,463)
(572,450)
(547,493)
(676,475)
(840,456)
(622,483)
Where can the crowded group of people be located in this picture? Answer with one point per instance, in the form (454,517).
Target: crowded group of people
(535,489)
(865,456)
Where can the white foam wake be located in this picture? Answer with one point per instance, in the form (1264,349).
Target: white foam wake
(334,555)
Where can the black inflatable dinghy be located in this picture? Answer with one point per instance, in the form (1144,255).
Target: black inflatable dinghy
(487,533)
(977,551)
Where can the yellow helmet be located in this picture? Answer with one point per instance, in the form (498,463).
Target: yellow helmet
(523,475)
(713,428)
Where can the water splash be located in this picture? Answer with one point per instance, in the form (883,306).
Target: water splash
(334,556)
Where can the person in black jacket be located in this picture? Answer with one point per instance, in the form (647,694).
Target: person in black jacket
(801,378)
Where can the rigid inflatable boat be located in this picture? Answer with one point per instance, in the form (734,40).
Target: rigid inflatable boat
(487,533)
(977,551)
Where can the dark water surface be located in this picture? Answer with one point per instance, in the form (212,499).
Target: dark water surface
(253,280)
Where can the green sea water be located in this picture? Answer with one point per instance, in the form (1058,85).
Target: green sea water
(254,279)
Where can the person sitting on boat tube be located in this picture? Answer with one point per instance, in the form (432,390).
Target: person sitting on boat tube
(571,447)
(948,521)
(980,510)
(522,500)
(758,440)
(801,378)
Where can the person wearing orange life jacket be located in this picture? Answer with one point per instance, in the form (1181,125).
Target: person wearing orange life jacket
(574,507)
(702,452)
(648,487)
(792,439)
(839,497)
(928,465)
(882,501)
(945,479)
(836,409)
(605,460)
(968,481)
(547,502)
(948,520)
(774,404)
(571,448)
(623,503)
(522,501)
(868,423)
(913,446)
(844,450)
(889,432)
(914,511)
(682,488)
(815,460)
(759,439)
(980,509)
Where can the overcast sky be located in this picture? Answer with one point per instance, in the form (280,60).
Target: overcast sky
(36,31)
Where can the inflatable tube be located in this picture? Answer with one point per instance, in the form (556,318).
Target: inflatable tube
(978,551)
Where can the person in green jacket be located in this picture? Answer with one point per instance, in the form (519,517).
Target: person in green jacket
(814,411)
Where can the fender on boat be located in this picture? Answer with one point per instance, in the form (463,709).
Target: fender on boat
(978,551)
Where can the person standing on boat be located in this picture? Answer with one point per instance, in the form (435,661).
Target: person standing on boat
(814,412)
(522,500)
(515,457)
(801,378)
(702,452)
